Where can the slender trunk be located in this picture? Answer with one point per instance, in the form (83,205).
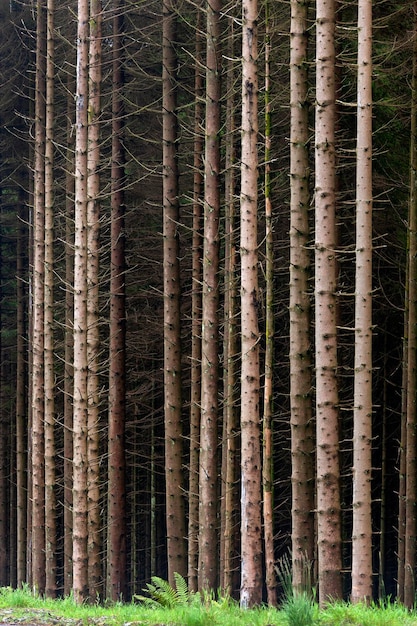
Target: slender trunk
(251,574)
(175,506)
(116,567)
(93,331)
(49,408)
(362,412)
(411,415)
(302,429)
(208,530)
(230,537)
(328,471)
(38,461)
(80,400)
(195,409)
(267,457)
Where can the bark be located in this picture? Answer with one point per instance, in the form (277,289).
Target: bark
(411,415)
(93,331)
(208,530)
(267,457)
(196,321)
(230,538)
(80,400)
(116,567)
(302,429)
(328,471)
(251,573)
(362,412)
(21,399)
(175,506)
(38,446)
(49,408)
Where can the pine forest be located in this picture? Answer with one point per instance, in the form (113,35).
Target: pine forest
(208,297)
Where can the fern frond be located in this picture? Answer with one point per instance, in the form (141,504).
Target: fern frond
(183,595)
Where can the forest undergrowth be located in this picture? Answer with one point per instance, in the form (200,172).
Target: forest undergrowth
(23,607)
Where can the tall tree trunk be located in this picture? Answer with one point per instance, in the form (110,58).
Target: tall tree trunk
(50,450)
(38,447)
(208,531)
(175,506)
(80,400)
(21,398)
(302,430)
(411,414)
(116,553)
(328,470)
(362,412)
(267,457)
(251,573)
(93,331)
(196,320)
(230,536)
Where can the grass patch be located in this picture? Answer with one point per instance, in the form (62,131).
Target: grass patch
(24,607)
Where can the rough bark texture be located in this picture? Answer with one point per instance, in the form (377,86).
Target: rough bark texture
(93,331)
(80,400)
(327,413)
(251,572)
(208,530)
(175,506)
(116,568)
(38,445)
(196,322)
(49,399)
(302,426)
(411,414)
(362,411)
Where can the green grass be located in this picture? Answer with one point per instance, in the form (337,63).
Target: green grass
(23,607)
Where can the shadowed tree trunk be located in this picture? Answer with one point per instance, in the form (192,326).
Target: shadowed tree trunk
(251,533)
(175,506)
(208,529)
(327,411)
(362,411)
(116,552)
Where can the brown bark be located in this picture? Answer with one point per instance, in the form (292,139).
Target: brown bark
(195,410)
(302,425)
(38,448)
(362,411)
(93,331)
(411,414)
(49,407)
(175,506)
(208,530)
(116,567)
(80,400)
(251,573)
(327,413)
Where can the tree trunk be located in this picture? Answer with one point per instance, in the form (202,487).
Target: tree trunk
(80,400)
(175,506)
(302,430)
(38,447)
(116,552)
(267,457)
(208,530)
(411,415)
(328,471)
(362,412)
(251,573)
(93,332)
(196,320)
(50,450)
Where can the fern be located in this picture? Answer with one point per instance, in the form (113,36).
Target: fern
(160,593)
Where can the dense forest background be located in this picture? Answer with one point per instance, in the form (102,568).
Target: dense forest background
(187,384)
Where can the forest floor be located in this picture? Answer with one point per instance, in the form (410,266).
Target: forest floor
(23,608)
